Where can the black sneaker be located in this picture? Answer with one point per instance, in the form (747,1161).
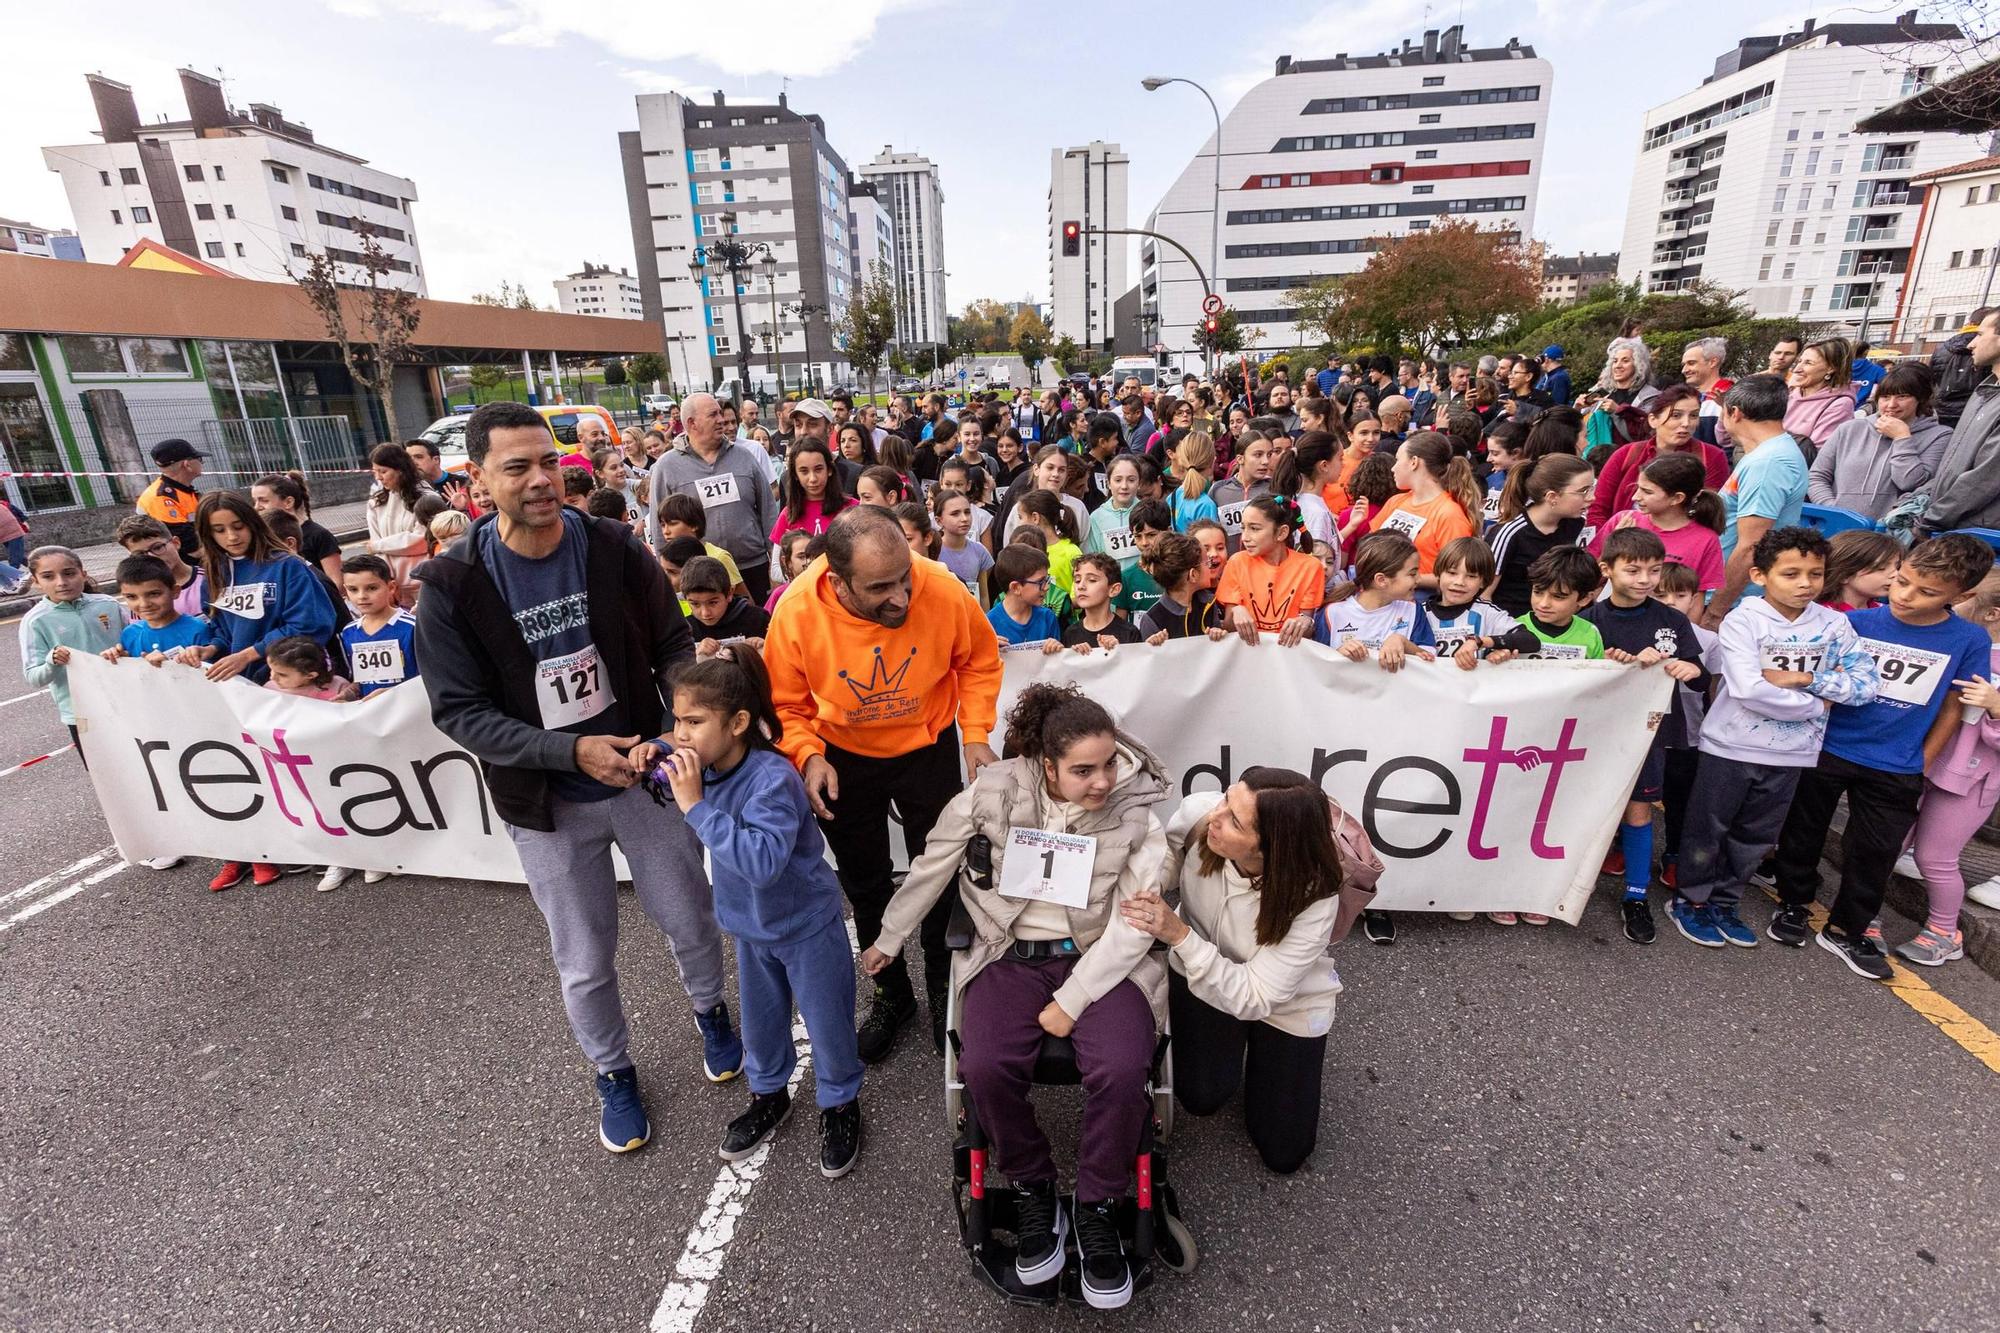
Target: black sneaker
(1860,954)
(1380,928)
(1107,1278)
(1040,1227)
(892,1007)
(767,1111)
(1639,926)
(839,1139)
(1791,924)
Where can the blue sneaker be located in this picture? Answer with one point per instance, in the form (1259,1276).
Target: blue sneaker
(1731,927)
(1696,921)
(623,1126)
(721,1048)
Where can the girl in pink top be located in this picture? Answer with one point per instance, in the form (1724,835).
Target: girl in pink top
(300,666)
(1669,500)
(812,492)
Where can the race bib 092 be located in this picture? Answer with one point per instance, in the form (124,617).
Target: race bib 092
(245,599)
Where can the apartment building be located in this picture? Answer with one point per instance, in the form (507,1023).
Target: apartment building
(907,184)
(1087,188)
(596,290)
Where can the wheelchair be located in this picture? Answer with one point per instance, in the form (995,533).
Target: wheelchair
(1149,1221)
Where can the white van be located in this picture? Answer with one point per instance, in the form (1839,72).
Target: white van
(1141,368)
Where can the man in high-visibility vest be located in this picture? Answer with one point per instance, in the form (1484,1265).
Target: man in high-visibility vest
(171,498)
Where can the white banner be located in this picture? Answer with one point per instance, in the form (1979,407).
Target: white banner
(1495,789)
(237,772)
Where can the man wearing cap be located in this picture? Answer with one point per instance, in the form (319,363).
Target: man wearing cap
(1555,378)
(729,480)
(171,498)
(811,420)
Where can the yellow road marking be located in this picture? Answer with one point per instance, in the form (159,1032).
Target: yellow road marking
(1978,1040)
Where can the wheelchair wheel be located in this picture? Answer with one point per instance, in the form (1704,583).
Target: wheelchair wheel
(1173,1244)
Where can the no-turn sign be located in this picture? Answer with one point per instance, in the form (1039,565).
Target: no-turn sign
(1211,304)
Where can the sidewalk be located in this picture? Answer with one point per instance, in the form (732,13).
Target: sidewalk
(100,562)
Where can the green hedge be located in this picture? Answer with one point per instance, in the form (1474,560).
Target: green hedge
(1667,323)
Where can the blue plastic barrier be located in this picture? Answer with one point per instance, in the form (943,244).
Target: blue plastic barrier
(1827,520)
(1991,536)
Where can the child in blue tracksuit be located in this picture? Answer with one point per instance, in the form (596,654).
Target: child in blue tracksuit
(260,592)
(68,619)
(774,892)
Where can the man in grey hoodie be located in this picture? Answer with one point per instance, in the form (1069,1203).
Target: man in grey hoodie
(732,486)
(1965,490)
(1868,464)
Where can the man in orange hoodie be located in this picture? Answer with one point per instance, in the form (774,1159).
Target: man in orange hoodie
(882,668)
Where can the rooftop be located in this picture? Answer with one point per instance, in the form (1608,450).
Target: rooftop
(1754,50)
(1439,47)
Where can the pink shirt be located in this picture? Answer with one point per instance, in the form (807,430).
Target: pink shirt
(812,522)
(1691,544)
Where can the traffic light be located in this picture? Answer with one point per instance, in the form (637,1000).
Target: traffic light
(1208,326)
(1072,237)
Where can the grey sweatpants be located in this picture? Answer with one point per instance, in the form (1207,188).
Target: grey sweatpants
(571,879)
(1732,823)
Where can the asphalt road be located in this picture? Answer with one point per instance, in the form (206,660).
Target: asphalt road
(275,1109)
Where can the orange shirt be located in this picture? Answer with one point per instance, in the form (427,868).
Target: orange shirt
(1430,525)
(839,680)
(1274,593)
(1335,493)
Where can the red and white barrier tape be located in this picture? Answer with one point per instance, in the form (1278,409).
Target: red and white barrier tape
(212,472)
(38,759)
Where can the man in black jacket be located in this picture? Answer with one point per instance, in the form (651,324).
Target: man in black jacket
(1953,371)
(547,637)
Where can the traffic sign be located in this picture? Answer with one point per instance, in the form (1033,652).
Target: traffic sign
(1211,304)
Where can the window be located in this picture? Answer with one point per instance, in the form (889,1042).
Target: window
(1789,270)
(218,173)
(142,215)
(1426,154)
(1771,233)
(1812,162)
(1819,238)
(1431,119)
(117,218)
(104,178)
(204,212)
(1992,193)
(1434,81)
(1798,232)
(1839,165)
(1778,205)
(191,171)
(1423,189)
(1826,198)
(1270,182)
(239,250)
(103,354)
(1978,258)
(280,175)
(229,210)
(1805,299)
(288,213)
(1785,164)
(298,251)
(1302,180)
(1972,194)
(213,249)
(1764,269)
(129,175)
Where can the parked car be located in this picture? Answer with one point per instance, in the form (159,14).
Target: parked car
(656,402)
(907,384)
(1002,377)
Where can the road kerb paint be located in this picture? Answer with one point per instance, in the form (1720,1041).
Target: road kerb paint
(38,759)
(30,890)
(62,895)
(708,1240)
(23,698)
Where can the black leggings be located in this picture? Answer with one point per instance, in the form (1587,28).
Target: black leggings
(1279,1073)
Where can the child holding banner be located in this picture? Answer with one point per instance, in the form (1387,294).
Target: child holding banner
(1379,617)
(157,630)
(70,617)
(381,642)
(262,593)
(1272,585)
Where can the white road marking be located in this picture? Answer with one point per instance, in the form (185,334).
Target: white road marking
(64,894)
(30,890)
(709,1239)
(23,698)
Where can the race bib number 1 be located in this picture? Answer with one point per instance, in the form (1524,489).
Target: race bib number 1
(1048,867)
(1909,675)
(378,663)
(245,599)
(571,689)
(1792,655)
(717,490)
(1231,517)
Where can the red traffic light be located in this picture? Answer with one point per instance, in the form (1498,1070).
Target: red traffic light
(1208,325)
(1071,233)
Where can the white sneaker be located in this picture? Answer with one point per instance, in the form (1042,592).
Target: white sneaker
(1460,916)
(1987,894)
(162,862)
(1906,866)
(374,876)
(333,878)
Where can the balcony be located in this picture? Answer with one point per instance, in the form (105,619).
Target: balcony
(1670,285)
(1706,188)
(1893,162)
(1683,167)
(1677,195)
(1712,155)
(1668,258)
(1888,198)
(1673,227)
(1700,220)
(1697,251)
(1879,234)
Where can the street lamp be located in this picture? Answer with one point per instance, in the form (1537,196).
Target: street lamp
(736,257)
(803,312)
(1152,85)
(768,266)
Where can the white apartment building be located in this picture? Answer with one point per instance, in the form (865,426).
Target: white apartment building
(1957,252)
(871,232)
(249,192)
(1757,180)
(1326,156)
(1087,187)
(907,184)
(701,178)
(597,290)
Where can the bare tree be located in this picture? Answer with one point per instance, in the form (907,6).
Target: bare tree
(371,325)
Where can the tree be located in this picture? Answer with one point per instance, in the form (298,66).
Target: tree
(1030,339)
(646,369)
(869,323)
(1228,335)
(513,296)
(614,371)
(1448,285)
(372,326)
(1322,311)
(487,376)
(1067,354)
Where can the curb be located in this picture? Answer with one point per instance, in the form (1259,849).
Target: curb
(1980,925)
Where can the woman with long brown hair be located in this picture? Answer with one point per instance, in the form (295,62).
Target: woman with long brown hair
(1269,872)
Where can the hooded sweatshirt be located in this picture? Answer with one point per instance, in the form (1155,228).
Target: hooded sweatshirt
(1971,759)
(765,852)
(269,600)
(90,624)
(837,679)
(1860,468)
(1815,416)
(1128,856)
(1755,722)
(1965,489)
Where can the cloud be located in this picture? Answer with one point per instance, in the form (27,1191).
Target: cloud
(658,81)
(796,37)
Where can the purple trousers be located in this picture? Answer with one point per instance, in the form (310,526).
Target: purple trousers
(1114,1050)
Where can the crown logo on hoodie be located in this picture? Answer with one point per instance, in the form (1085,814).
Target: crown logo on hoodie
(882,683)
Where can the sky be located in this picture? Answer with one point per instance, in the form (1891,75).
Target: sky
(506,113)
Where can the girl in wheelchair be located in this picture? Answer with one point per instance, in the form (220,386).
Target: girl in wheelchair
(1052,839)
